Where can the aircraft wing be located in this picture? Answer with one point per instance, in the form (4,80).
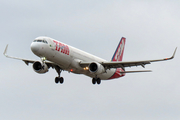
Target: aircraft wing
(121,64)
(27,61)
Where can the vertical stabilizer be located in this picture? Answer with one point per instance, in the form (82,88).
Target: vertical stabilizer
(118,55)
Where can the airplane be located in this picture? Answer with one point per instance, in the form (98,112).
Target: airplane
(63,57)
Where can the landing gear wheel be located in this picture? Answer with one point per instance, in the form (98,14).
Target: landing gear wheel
(98,81)
(61,80)
(56,80)
(93,81)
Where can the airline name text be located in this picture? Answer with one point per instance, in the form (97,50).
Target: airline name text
(61,47)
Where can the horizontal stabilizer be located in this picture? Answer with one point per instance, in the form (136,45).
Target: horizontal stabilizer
(136,71)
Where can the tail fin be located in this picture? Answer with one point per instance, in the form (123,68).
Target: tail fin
(118,55)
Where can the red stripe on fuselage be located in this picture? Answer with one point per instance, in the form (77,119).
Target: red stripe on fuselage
(118,73)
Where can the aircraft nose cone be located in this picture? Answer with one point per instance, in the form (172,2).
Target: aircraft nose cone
(34,47)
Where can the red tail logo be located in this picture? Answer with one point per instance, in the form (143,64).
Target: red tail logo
(118,55)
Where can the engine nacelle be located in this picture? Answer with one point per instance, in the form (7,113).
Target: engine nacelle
(40,67)
(96,68)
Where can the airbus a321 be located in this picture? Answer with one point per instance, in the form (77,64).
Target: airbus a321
(60,56)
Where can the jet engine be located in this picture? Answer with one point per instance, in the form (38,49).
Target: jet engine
(40,67)
(96,68)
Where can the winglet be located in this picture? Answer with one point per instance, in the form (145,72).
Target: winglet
(174,52)
(172,55)
(5,51)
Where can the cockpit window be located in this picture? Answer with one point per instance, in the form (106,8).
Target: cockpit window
(44,41)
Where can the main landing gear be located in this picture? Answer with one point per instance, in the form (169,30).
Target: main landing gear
(59,79)
(96,80)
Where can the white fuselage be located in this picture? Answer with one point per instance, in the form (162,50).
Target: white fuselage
(67,57)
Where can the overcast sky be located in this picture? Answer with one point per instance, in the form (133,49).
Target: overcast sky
(152,31)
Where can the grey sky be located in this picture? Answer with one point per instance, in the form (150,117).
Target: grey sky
(152,31)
